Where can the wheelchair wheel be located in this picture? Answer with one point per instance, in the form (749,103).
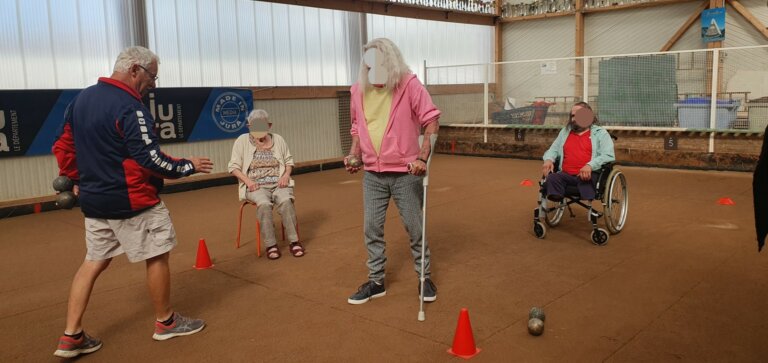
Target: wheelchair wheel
(600,237)
(616,201)
(553,218)
(539,230)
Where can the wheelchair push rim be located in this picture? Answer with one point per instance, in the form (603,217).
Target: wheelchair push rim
(616,202)
(553,211)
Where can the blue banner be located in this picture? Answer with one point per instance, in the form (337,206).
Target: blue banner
(29,119)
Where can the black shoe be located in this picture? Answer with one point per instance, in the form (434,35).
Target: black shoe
(430,290)
(367,291)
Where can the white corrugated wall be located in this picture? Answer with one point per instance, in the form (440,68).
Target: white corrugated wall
(60,43)
(745,70)
(636,30)
(439,43)
(311,127)
(537,39)
(204,43)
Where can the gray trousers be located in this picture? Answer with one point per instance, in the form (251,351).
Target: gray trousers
(264,198)
(407,191)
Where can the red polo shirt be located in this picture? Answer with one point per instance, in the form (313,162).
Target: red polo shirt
(577,152)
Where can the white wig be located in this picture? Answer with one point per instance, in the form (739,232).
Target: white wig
(257,115)
(393,62)
(134,55)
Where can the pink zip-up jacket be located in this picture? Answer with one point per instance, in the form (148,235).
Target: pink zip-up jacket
(412,109)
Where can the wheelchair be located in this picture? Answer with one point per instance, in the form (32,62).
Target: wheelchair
(611,191)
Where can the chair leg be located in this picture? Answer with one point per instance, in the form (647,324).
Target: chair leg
(239,225)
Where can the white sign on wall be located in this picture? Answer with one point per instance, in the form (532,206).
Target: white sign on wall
(549,68)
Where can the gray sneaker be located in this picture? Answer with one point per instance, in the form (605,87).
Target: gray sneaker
(70,347)
(430,290)
(181,326)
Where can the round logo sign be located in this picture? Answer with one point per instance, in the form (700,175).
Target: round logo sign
(229,112)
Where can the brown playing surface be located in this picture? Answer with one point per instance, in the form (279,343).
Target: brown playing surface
(683,281)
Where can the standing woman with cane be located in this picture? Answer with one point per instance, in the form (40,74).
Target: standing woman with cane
(389,108)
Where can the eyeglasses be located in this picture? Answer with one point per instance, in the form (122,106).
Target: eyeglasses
(151,75)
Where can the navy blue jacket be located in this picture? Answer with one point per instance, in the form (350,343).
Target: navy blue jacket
(108,145)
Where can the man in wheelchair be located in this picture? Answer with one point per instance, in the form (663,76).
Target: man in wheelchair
(580,159)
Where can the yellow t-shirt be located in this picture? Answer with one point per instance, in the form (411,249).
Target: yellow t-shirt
(377,103)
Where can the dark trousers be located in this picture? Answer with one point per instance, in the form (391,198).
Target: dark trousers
(556,183)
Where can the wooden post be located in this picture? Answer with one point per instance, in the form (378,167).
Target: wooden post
(498,53)
(579,51)
(719,44)
(756,23)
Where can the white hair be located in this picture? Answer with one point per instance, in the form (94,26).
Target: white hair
(393,62)
(134,55)
(257,115)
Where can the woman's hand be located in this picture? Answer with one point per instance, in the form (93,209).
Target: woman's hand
(547,168)
(353,163)
(585,173)
(251,186)
(284,181)
(417,167)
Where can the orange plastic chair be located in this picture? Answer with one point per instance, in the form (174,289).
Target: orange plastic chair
(258,229)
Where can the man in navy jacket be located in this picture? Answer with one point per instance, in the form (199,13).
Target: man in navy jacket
(107,145)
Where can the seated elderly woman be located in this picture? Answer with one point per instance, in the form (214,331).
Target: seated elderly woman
(262,163)
(582,147)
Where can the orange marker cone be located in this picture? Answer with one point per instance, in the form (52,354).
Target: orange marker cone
(726,201)
(526,183)
(203,259)
(463,340)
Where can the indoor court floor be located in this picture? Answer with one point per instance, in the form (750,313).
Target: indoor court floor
(682,282)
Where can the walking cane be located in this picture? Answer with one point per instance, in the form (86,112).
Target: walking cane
(424,182)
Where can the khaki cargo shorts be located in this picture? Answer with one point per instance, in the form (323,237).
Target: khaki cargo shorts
(141,237)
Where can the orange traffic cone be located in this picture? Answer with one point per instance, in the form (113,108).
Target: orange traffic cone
(726,201)
(526,183)
(203,259)
(463,340)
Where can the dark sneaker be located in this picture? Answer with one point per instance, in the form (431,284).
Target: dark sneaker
(367,291)
(181,326)
(70,347)
(430,290)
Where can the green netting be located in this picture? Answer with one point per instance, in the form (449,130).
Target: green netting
(638,91)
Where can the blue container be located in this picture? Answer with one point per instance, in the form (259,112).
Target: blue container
(693,113)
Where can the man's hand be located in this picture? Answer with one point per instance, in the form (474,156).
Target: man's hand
(251,186)
(350,166)
(547,168)
(284,181)
(417,167)
(585,173)
(76,190)
(201,164)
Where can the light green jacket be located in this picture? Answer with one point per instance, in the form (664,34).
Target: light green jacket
(602,147)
